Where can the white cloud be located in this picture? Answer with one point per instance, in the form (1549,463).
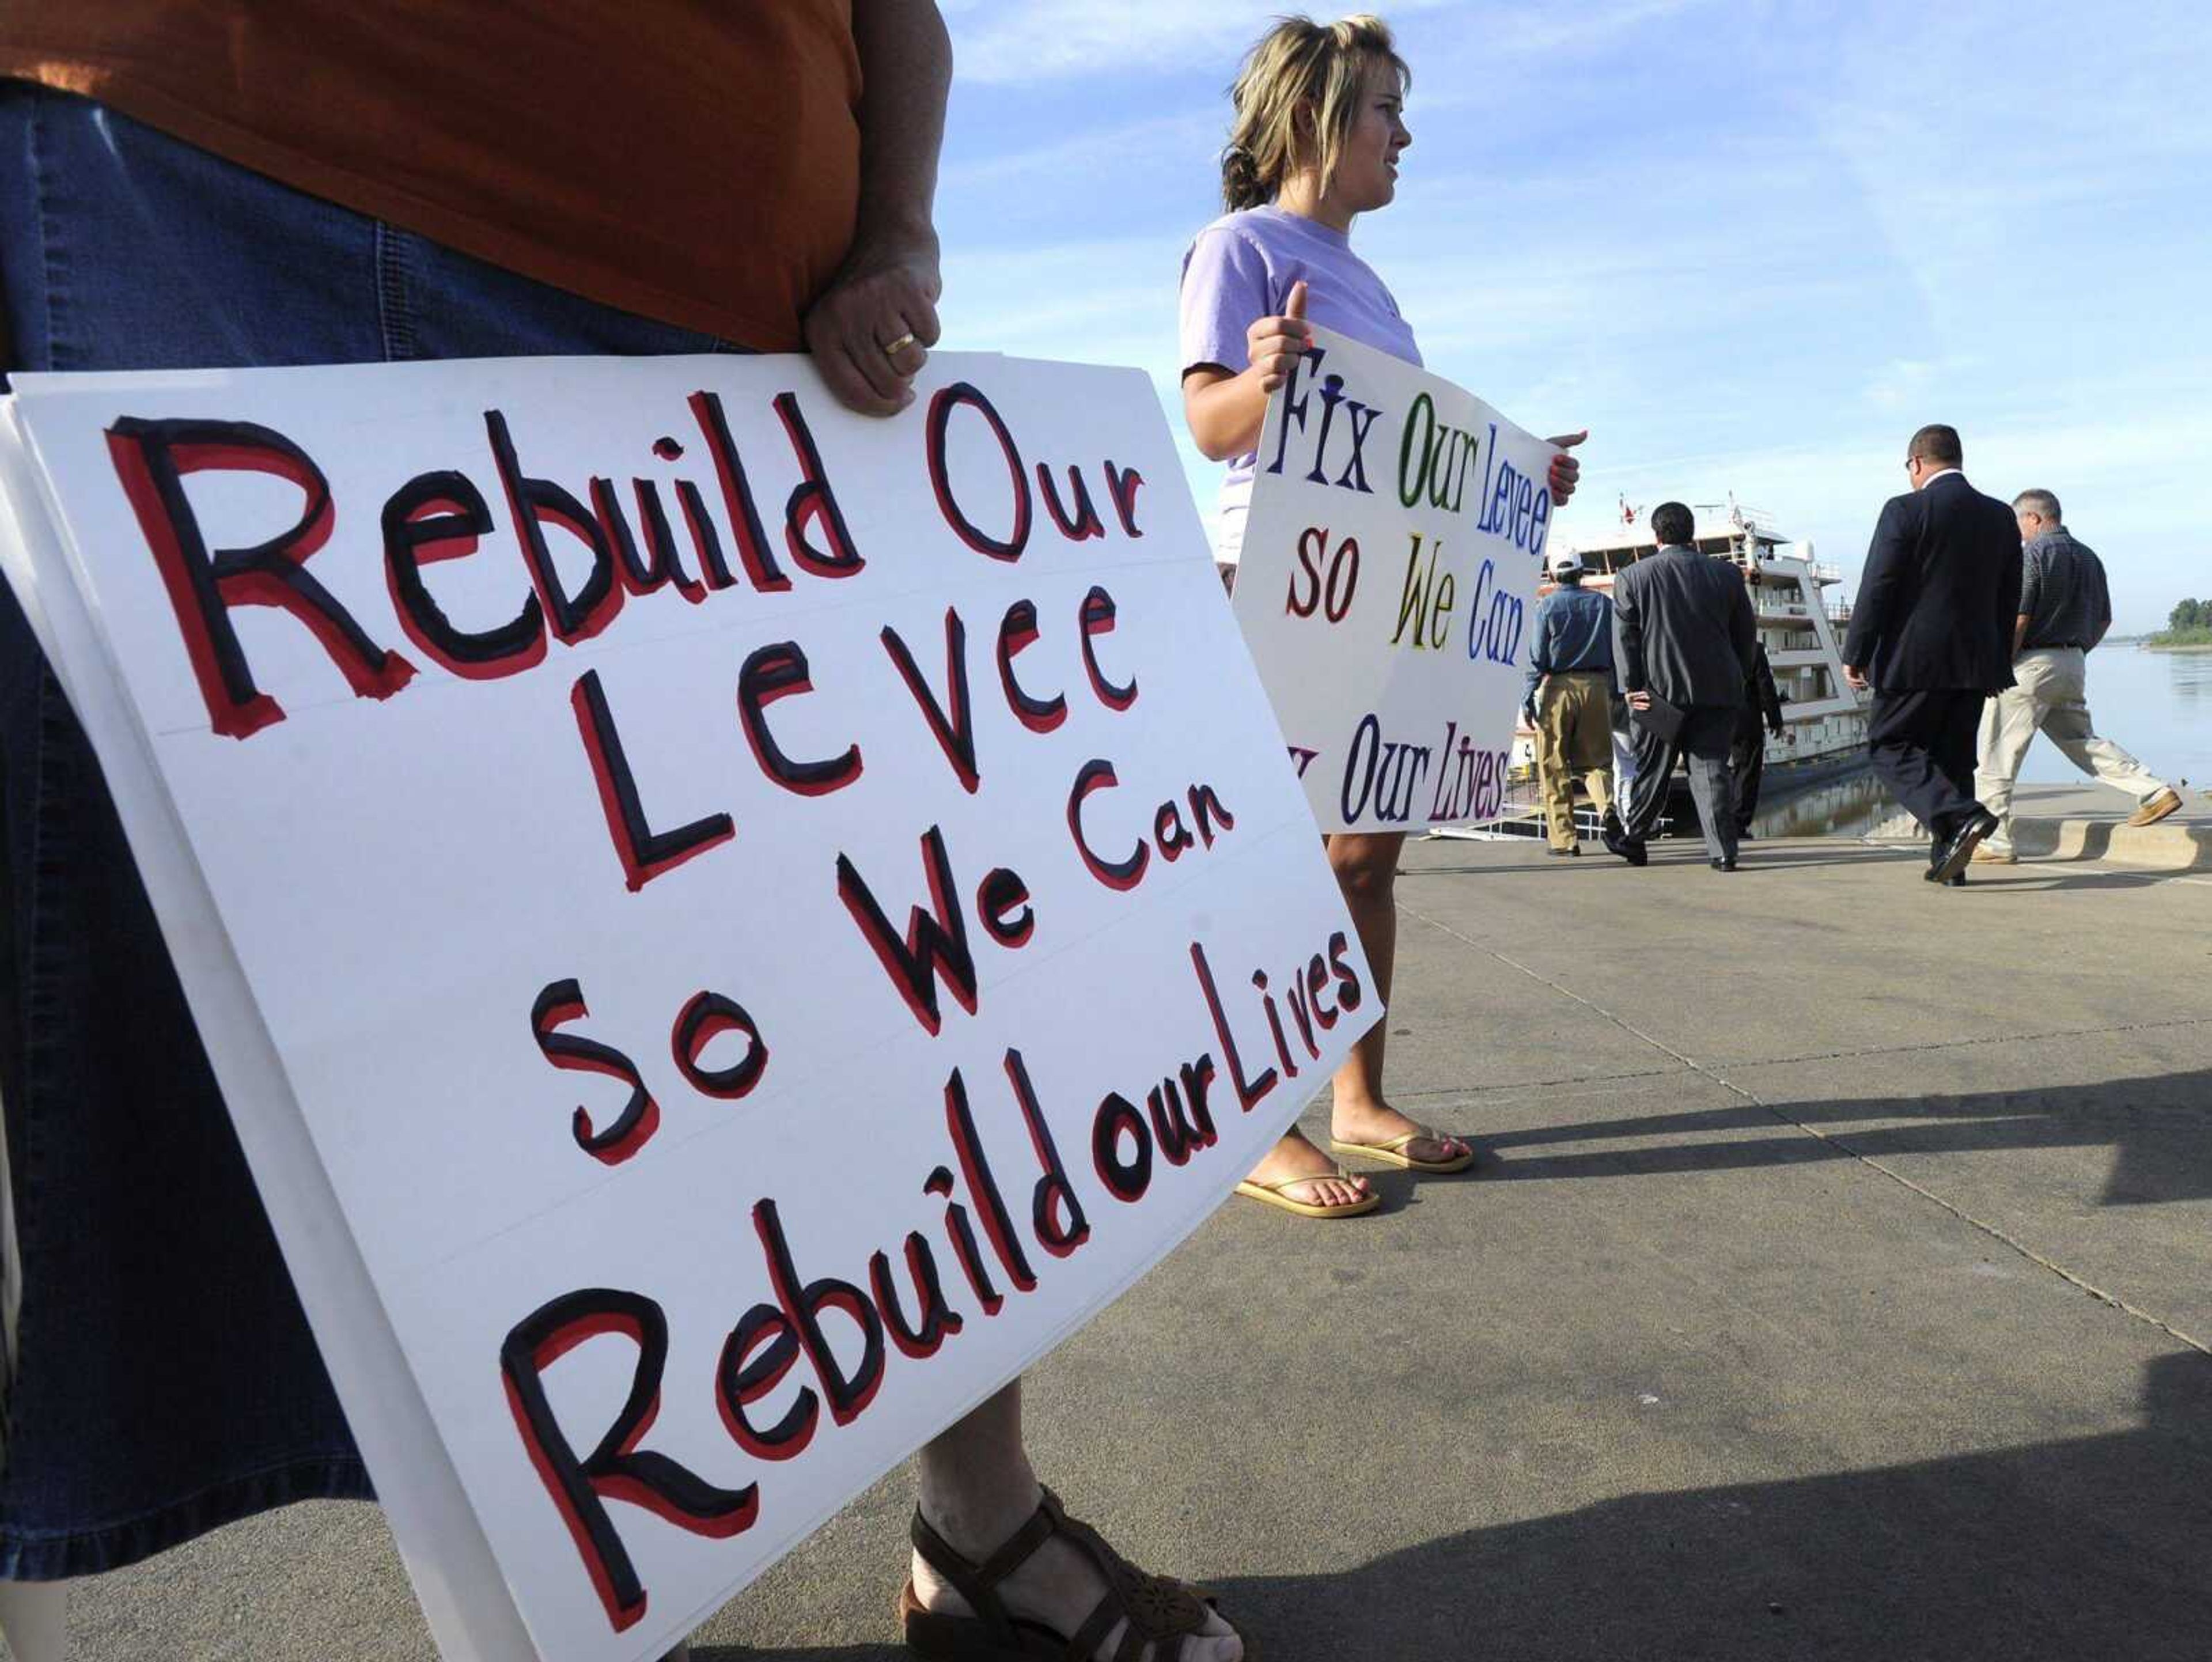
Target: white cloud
(1105,301)
(1086,153)
(1899,383)
(997,43)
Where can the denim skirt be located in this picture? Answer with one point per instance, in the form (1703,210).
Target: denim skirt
(166,1380)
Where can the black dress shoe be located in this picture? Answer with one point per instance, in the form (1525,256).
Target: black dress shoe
(1957,882)
(1950,855)
(1633,853)
(1562,853)
(1728,865)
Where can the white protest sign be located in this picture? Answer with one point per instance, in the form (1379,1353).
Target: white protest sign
(727,928)
(1391,555)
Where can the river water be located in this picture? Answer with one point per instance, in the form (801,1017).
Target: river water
(2156,705)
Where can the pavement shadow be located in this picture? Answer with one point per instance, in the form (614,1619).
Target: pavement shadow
(2060,1551)
(2063,1551)
(2024,879)
(1671,851)
(2029,877)
(2157,1128)
(1755,859)
(1462,871)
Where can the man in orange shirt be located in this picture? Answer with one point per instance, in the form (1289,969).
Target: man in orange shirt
(214,183)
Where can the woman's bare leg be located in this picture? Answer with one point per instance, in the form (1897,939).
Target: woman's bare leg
(1367,867)
(34,1619)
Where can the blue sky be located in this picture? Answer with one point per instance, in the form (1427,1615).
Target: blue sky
(1750,244)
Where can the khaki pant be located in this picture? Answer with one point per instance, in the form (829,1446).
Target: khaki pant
(2047,699)
(1574,735)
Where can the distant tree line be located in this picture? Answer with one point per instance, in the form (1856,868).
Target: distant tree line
(2190,624)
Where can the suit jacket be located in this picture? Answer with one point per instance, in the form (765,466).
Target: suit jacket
(1760,692)
(1683,628)
(1942,588)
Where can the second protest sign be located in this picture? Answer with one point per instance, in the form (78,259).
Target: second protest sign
(1391,555)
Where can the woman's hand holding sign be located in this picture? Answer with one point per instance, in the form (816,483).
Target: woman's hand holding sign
(1225,408)
(1277,343)
(1566,472)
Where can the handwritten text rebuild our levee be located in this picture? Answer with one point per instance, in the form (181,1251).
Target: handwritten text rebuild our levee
(715,1046)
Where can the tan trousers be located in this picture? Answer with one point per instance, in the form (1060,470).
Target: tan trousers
(2048,698)
(1574,735)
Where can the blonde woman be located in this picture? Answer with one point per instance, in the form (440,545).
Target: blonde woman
(1319,130)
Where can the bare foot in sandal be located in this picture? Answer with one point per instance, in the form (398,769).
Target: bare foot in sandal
(1358,1126)
(1058,1592)
(1001,1574)
(1307,1174)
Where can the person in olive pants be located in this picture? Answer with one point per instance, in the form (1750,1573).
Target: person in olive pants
(1569,699)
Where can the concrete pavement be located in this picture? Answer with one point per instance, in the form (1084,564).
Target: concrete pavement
(1836,1287)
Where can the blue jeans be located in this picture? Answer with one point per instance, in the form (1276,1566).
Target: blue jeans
(167,1381)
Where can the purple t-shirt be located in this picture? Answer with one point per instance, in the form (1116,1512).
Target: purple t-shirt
(1240,269)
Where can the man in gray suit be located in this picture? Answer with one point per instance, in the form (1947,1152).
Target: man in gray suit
(1685,640)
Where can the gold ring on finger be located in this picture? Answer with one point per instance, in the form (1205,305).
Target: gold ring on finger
(892,349)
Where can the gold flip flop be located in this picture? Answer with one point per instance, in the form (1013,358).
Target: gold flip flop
(1393,1153)
(1271,1194)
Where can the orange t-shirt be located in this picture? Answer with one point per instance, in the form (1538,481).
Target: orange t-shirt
(694,161)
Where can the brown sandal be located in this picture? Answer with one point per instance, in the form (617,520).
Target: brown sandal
(1160,1611)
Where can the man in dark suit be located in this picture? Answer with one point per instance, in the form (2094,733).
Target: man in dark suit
(1932,633)
(1761,715)
(1684,640)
